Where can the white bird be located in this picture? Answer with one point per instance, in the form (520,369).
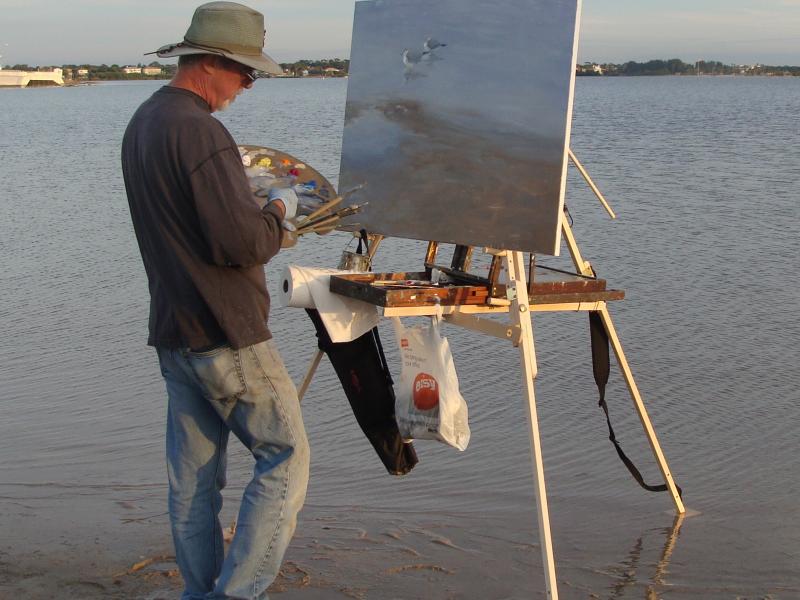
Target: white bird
(431,44)
(412,57)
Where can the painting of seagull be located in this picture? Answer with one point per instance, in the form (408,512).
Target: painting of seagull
(432,44)
(411,58)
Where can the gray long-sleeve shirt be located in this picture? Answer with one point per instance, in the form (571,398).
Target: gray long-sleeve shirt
(202,236)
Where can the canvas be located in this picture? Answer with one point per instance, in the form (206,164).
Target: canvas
(457,120)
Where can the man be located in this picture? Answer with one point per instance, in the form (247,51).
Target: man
(204,241)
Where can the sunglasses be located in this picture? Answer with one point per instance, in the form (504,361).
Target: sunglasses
(250,73)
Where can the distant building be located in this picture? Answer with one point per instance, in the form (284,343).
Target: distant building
(30,78)
(132,70)
(151,70)
(83,72)
(331,70)
(588,68)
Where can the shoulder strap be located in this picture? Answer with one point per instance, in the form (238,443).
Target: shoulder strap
(601,365)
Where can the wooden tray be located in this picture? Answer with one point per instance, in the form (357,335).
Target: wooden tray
(414,289)
(405,289)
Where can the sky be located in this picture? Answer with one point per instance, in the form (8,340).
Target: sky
(55,32)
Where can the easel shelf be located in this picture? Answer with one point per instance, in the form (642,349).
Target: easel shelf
(415,289)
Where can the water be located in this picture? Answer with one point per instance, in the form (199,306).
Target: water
(703,173)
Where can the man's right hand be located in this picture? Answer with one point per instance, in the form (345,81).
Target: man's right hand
(288,199)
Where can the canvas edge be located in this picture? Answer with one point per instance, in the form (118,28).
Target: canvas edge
(567,137)
(343,226)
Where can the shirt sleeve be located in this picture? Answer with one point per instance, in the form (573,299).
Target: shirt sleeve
(239,233)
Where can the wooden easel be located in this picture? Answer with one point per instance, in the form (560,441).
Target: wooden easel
(467,297)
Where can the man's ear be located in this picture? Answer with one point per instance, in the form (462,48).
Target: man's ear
(209,64)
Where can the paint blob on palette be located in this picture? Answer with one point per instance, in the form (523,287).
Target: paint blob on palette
(267,168)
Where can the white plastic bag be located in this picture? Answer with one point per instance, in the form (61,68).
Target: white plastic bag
(428,403)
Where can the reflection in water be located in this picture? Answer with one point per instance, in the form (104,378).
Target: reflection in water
(669,545)
(627,577)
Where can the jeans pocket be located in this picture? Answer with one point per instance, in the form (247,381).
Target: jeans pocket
(219,372)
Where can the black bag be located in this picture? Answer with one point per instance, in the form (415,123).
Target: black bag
(362,370)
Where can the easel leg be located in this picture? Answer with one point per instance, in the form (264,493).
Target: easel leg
(521,315)
(312,368)
(640,409)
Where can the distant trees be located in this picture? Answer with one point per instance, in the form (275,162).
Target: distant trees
(317,67)
(115,72)
(675,66)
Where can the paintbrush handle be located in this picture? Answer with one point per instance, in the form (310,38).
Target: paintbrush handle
(324,208)
(319,223)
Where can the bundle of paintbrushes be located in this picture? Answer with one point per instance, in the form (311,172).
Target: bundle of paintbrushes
(325,218)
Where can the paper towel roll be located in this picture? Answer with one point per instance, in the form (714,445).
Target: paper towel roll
(295,290)
(344,318)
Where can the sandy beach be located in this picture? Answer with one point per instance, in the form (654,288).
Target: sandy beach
(335,554)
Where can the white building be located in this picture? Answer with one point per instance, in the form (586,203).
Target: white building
(30,78)
(151,70)
(132,70)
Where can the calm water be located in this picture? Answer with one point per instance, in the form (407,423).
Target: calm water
(703,173)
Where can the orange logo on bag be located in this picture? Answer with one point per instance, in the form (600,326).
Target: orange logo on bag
(404,343)
(426,392)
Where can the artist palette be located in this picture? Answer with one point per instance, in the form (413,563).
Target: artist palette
(267,168)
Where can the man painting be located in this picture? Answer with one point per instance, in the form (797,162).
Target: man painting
(204,240)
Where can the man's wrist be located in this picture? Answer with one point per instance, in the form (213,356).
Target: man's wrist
(278,203)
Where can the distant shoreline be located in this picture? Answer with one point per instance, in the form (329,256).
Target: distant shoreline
(339,68)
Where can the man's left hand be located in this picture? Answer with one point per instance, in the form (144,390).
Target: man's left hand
(287,197)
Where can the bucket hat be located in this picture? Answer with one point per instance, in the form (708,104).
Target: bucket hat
(228,29)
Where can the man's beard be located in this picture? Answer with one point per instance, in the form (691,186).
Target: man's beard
(224,106)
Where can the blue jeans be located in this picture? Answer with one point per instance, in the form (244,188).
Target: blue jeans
(247,392)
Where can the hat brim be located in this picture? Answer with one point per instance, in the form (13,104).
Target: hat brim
(262,63)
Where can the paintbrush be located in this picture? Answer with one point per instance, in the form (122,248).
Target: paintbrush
(321,210)
(329,218)
(327,223)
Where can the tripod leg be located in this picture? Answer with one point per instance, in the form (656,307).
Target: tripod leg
(640,409)
(312,368)
(521,315)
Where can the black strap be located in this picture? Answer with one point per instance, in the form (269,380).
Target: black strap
(601,365)
(362,238)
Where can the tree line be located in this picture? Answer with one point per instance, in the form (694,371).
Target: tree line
(317,67)
(676,66)
(301,68)
(104,72)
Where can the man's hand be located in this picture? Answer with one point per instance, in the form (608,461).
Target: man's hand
(287,197)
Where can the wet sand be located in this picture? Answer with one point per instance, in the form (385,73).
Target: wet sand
(335,554)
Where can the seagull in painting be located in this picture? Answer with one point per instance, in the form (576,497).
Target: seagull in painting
(411,58)
(431,45)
